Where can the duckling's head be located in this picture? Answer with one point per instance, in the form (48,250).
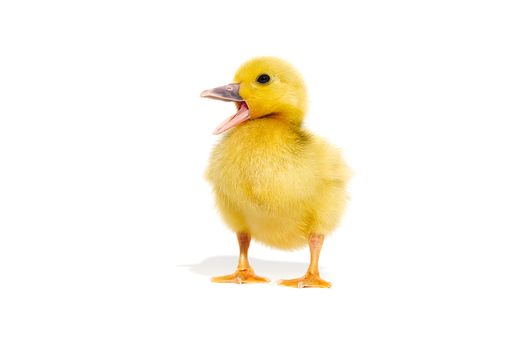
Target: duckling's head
(263,87)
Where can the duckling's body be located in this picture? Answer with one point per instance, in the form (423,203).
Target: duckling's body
(273,180)
(278,182)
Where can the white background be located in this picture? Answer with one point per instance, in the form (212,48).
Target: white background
(108,232)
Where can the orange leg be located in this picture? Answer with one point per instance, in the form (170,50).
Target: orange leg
(244,272)
(312,277)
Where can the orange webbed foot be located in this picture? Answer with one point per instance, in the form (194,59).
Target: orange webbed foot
(240,276)
(308,281)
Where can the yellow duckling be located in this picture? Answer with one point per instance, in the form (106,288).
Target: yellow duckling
(274,181)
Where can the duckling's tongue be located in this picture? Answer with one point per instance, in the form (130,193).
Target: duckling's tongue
(241,115)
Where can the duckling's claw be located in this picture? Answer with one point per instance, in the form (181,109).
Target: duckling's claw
(312,277)
(240,276)
(244,272)
(308,281)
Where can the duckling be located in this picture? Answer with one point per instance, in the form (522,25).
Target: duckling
(274,181)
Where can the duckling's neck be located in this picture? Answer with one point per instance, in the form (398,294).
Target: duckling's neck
(266,130)
(274,121)
(293,119)
(264,137)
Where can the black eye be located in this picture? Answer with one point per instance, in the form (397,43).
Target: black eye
(263,79)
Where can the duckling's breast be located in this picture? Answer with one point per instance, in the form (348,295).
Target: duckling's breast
(263,169)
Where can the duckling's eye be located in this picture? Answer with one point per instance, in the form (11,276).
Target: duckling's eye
(263,79)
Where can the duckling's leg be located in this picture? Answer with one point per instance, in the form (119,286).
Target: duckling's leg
(312,277)
(244,272)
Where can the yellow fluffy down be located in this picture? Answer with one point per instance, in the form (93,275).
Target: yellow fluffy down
(278,182)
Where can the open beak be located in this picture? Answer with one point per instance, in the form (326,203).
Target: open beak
(229,93)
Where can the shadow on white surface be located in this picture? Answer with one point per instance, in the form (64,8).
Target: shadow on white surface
(221,265)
